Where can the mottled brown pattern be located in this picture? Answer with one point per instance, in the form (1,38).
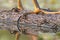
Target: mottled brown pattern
(40,22)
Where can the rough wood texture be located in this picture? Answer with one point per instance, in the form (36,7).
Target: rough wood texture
(33,23)
(30,22)
(8,19)
(42,22)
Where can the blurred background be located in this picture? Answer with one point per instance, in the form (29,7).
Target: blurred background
(52,4)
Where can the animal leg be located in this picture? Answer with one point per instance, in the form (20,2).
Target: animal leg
(34,37)
(19,5)
(36,6)
(17,35)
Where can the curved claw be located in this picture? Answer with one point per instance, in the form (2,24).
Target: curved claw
(18,26)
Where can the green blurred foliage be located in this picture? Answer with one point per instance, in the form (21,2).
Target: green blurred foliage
(24,37)
(58,34)
(40,37)
(46,36)
(5,35)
